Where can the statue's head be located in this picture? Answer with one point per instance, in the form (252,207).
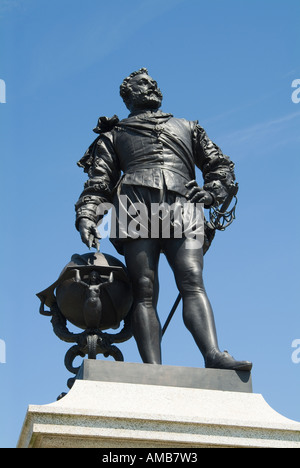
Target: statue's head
(139,91)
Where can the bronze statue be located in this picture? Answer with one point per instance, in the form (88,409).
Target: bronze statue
(148,160)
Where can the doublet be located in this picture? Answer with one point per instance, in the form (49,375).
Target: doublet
(153,150)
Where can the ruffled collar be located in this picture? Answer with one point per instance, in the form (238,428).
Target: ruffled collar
(106,124)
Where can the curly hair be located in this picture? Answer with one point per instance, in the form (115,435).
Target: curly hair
(124,88)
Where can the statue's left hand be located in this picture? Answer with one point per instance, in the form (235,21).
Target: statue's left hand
(197,194)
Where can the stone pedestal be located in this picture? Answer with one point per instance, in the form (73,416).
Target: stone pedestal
(125,405)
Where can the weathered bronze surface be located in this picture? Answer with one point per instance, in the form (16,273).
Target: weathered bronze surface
(149,158)
(92,292)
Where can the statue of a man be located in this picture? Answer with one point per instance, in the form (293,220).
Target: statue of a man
(150,158)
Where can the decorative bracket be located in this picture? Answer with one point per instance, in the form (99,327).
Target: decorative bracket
(90,342)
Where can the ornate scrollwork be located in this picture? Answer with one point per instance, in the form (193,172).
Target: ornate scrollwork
(94,294)
(90,342)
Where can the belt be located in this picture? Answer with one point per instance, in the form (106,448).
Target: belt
(149,166)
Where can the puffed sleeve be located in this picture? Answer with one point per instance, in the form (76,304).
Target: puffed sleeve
(101,164)
(216,167)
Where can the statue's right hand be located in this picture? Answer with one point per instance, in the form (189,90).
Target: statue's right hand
(88,232)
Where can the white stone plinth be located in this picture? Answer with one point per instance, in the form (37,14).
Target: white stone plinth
(125,415)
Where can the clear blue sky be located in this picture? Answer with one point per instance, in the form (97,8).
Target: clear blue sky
(228,64)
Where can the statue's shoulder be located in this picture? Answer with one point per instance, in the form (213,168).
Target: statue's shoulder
(183,123)
(106,124)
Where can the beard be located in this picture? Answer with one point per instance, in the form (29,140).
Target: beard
(150,100)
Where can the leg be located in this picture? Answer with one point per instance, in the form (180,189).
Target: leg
(142,256)
(187,265)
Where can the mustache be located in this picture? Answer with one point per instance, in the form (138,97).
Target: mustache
(156,91)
